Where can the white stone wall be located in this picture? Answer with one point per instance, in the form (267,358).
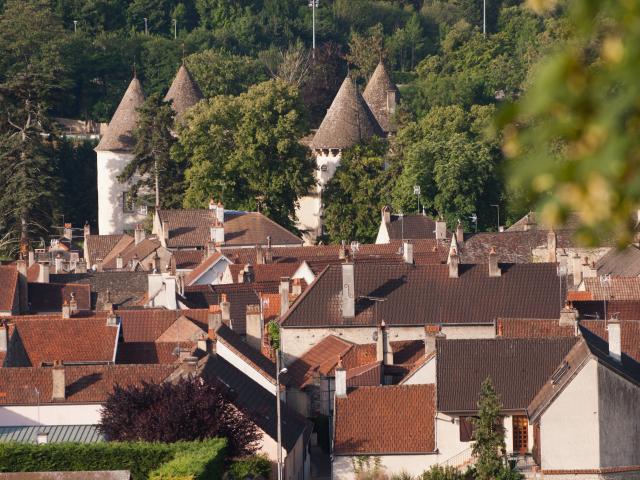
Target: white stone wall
(569,432)
(111,216)
(63,414)
(424,375)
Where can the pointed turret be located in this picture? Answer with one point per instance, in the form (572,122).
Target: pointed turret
(347,122)
(184,92)
(382,96)
(119,134)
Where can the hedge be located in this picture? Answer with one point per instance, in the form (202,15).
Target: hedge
(253,466)
(200,462)
(140,458)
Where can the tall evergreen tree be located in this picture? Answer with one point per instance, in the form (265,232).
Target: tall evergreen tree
(488,434)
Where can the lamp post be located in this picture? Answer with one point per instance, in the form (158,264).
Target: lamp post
(146,29)
(313,4)
(279,371)
(75,26)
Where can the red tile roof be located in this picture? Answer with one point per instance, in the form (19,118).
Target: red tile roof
(33,272)
(270,272)
(574,295)
(365,376)
(618,288)
(49,297)
(146,325)
(99,246)
(385,420)
(84,383)
(188,259)
(141,251)
(8,287)
(151,352)
(320,359)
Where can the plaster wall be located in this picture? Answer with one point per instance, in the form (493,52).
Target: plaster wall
(343,466)
(294,467)
(214,275)
(424,375)
(235,360)
(569,431)
(63,414)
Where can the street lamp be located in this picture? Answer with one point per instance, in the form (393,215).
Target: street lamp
(313,4)
(75,26)
(279,371)
(146,29)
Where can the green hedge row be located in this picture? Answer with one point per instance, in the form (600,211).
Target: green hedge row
(143,459)
(253,466)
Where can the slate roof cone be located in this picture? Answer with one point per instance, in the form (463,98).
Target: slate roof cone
(119,134)
(348,120)
(184,92)
(382,96)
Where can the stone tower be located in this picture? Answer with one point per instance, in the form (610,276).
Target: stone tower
(382,97)
(184,92)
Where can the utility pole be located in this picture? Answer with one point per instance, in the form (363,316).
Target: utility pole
(484,17)
(313,4)
(175,28)
(146,29)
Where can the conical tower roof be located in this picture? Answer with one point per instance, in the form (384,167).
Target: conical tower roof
(376,96)
(119,134)
(184,92)
(348,120)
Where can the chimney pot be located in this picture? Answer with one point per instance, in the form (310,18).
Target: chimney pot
(73,304)
(494,268)
(384,353)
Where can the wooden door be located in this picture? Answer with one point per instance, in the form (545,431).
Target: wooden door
(520,434)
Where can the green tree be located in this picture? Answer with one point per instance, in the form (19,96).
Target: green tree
(246,151)
(356,193)
(366,51)
(488,434)
(152,168)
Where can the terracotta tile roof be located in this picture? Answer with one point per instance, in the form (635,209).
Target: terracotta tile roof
(249,354)
(619,288)
(576,295)
(348,120)
(271,306)
(184,92)
(319,359)
(85,383)
(125,242)
(270,272)
(203,267)
(8,287)
(624,309)
(33,272)
(124,288)
(375,94)
(49,297)
(147,325)
(530,222)
(99,246)
(191,228)
(119,134)
(385,420)
(145,248)
(411,227)
(620,263)
(188,259)
(421,295)
(46,339)
(518,368)
(151,352)
(365,376)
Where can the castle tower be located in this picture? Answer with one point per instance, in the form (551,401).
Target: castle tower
(184,92)
(114,152)
(347,122)
(382,97)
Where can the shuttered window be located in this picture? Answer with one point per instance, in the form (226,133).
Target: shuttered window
(466,429)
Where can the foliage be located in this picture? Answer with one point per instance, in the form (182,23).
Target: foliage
(141,458)
(290,65)
(356,193)
(437,472)
(200,462)
(367,468)
(245,150)
(190,409)
(573,136)
(252,467)
(273,329)
(153,175)
(366,51)
(488,434)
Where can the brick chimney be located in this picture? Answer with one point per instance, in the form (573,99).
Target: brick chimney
(66,310)
(386,214)
(73,304)
(225,308)
(341,380)
(268,253)
(284,294)
(43,273)
(348,291)
(214,320)
(384,353)
(552,243)
(576,269)
(441,229)
(454,263)
(430,334)
(139,234)
(494,268)
(23,285)
(407,252)
(254,326)
(568,316)
(67,232)
(216,232)
(460,233)
(58,391)
(259,255)
(615,339)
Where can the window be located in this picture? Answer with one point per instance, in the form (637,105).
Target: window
(128,203)
(466,429)
(520,434)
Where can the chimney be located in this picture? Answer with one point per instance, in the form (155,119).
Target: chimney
(615,339)
(348,291)
(81,266)
(459,233)
(430,334)
(119,262)
(43,273)
(407,252)
(284,295)
(494,269)
(220,213)
(214,319)
(268,253)
(568,316)
(225,308)
(58,263)
(217,232)
(202,343)
(454,262)
(384,353)
(297,287)
(441,229)
(259,255)
(211,248)
(155,262)
(139,234)
(112,318)
(166,229)
(32,257)
(23,285)
(73,304)
(576,269)
(66,310)
(551,246)
(392,100)
(254,326)
(107,304)
(87,229)
(341,381)
(4,337)
(342,251)
(249,275)
(59,385)
(386,214)
(190,363)
(67,232)
(212,204)
(99,265)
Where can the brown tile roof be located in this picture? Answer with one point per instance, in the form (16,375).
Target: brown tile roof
(8,287)
(119,134)
(385,420)
(147,325)
(518,368)
(411,227)
(249,354)
(75,340)
(270,272)
(203,267)
(99,246)
(375,94)
(184,92)
(145,248)
(188,259)
(118,248)
(365,376)
(348,120)
(424,294)
(620,263)
(85,383)
(124,288)
(151,352)
(49,297)
(319,359)
(33,272)
(190,228)
(624,309)
(619,288)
